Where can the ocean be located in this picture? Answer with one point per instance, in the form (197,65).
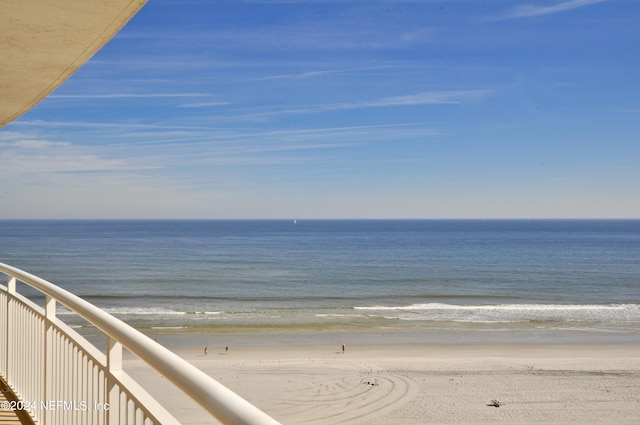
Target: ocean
(262,277)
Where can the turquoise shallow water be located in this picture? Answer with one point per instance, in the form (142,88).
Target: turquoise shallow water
(230,277)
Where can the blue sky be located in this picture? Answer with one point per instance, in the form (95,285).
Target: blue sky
(342,109)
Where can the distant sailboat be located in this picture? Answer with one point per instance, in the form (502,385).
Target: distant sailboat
(295,221)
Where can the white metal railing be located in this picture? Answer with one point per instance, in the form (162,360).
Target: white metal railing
(66,380)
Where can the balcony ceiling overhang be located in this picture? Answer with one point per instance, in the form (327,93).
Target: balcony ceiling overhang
(43,42)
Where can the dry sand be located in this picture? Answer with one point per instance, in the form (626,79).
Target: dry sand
(420,384)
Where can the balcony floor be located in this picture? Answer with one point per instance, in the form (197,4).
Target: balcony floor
(11,417)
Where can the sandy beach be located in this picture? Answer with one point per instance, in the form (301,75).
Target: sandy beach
(419,383)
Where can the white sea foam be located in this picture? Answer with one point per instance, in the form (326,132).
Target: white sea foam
(145,311)
(495,313)
(513,307)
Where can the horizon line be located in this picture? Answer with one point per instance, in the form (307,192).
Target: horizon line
(296,219)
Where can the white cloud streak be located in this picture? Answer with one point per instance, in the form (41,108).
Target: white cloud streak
(427,98)
(127,95)
(452,97)
(152,151)
(203,104)
(28,155)
(313,74)
(528,11)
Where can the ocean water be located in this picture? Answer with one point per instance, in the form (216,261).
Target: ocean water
(235,277)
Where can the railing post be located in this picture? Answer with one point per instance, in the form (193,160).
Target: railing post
(50,308)
(11,284)
(48,379)
(114,366)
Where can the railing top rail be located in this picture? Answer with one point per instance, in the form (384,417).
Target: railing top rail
(221,402)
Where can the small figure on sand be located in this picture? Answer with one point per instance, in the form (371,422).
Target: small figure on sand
(206,350)
(226,348)
(343,348)
(494,403)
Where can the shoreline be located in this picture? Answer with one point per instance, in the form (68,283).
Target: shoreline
(444,383)
(397,337)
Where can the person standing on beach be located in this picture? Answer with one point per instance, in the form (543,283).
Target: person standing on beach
(343,347)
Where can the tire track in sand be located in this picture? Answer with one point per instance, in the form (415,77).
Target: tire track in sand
(342,395)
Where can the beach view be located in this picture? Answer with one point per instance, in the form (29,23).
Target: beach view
(378,321)
(383,213)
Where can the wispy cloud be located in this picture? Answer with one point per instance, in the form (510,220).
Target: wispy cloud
(527,10)
(203,104)
(291,147)
(152,148)
(110,125)
(127,95)
(427,98)
(346,31)
(450,97)
(34,144)
(312,74)
(27,155)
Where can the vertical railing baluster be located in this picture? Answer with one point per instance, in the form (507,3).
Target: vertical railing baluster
(57,384)
(15,330)
(85,386)
(102,388)
(68,379)
(50,355)
(3,333)
(65,380)
(19,343)
(95,394)
(11,290)
(73,388)
(90,396)
(32,353)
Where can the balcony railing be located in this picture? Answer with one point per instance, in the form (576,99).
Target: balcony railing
(63,379)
